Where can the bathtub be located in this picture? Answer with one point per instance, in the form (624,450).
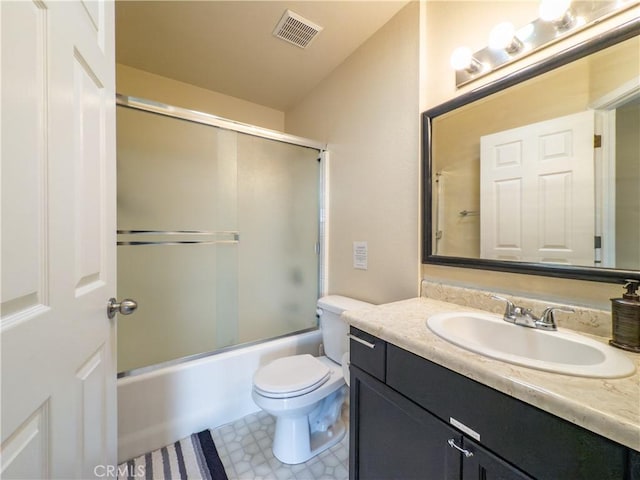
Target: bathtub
(162,406)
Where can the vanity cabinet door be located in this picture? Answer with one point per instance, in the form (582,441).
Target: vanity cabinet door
(393,438)
(484,465)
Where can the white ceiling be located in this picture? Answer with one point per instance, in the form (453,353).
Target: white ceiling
(228,46)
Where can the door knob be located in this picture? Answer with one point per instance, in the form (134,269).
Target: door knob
(125,307)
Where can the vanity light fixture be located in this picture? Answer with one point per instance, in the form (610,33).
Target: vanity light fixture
(558,19)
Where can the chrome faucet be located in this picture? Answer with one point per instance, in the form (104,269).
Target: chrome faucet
(526,318)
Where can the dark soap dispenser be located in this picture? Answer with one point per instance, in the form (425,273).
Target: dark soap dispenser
(625,315)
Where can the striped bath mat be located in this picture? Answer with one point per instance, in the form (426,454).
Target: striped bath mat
(194,457)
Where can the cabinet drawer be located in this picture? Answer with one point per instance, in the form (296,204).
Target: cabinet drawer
(541,444)
(369,353)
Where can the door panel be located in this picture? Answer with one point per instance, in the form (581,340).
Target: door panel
(508,208)
(24,244)
(58,239)
(89,118)
(91,398)
(25,451)
(554,214)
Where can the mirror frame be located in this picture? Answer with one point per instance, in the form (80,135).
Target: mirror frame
(609,275)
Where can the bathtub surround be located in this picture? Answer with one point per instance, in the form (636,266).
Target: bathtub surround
(163,406)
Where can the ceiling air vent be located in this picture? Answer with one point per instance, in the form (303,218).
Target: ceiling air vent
(295,29)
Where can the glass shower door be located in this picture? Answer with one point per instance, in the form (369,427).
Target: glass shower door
(217,235)
(278,217)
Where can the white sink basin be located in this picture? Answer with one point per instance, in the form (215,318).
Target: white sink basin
(560,351)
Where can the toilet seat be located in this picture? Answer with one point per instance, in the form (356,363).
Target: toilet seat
(291,376)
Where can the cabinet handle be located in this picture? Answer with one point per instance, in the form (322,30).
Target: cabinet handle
(466,453)
(363,342)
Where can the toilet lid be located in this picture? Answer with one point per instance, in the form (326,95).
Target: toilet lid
(295,375)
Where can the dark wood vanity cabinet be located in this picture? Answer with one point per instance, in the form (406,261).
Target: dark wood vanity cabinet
(413,419)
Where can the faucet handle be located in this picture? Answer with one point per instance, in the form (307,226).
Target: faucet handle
(547,320)
(510,308)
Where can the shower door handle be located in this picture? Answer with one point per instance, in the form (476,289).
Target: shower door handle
(125,307)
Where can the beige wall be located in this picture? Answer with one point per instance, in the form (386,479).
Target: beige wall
(138,83)
(446,25)
(367,112)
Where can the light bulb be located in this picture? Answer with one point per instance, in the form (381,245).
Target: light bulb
(551,10)
(503,37)
(462,59)
(525,32)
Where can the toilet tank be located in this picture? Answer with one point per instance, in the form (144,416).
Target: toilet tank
(334,330)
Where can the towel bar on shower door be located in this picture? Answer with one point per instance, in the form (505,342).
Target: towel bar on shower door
(218,237)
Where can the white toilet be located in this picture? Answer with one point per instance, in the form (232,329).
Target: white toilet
(306,393)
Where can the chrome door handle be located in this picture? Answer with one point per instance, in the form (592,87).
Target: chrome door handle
(464,451)
(125,307)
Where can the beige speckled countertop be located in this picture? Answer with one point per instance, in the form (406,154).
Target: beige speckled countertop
(609,407)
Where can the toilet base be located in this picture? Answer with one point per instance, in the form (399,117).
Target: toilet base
(306,445)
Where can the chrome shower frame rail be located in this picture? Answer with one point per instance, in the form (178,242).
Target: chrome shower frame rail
(215,121)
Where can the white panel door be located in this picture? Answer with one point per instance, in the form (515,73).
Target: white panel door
(58,239)
(537,192)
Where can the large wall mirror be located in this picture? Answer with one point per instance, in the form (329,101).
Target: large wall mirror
(539,172)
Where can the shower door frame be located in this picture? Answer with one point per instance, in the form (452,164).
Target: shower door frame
(215,121)
(151,106)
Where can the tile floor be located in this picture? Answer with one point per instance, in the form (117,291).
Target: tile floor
(245,450)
